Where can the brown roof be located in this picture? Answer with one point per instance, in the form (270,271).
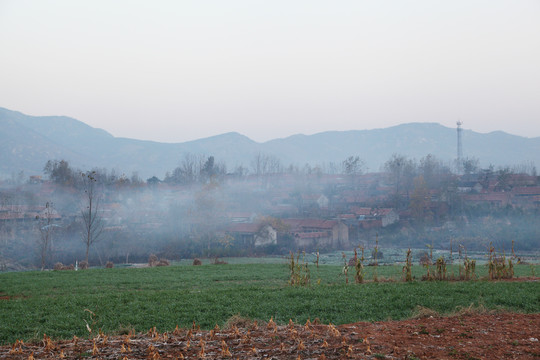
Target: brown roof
(381,211)
(361,210)
(243,228)
(21,208)
(371,211)
(11,216)
(311,235)
(526,190)
(487,197)
(310,223)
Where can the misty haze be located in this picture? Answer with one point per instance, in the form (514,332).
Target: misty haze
(269,180)
(205,207)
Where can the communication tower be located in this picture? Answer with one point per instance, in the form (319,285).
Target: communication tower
(459,147)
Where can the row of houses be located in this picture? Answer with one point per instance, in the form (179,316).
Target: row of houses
(519,196)
(330,216)
(308,233)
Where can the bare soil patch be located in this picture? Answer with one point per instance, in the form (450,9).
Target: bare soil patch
(465,336)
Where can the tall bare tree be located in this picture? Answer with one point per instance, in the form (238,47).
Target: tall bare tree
(91,211)
(46,228)
(401,171)
(353,166)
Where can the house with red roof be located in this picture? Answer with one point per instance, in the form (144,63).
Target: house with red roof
(496,199)
(370,218)
(318,233)
(252,234)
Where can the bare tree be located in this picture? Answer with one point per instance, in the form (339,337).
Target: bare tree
(401,172)
(45,234)
(353,167)
(188,169)
(91,217)
(264,165)
(6,201)
(258,164)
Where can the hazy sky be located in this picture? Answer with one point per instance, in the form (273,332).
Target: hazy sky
(181,70)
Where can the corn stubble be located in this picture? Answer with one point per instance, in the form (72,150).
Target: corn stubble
(299,270)
(310,340)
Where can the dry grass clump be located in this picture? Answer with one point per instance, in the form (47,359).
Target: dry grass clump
(217,261)
(109,265)
(498,266)
(423,312)
(359,266)
(60,266)
(425,260)
(197,262)
(472,310)
(152,260)
(83,265)
(407,269)
(163,262)
(299,270)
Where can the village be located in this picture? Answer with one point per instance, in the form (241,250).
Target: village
(272,213)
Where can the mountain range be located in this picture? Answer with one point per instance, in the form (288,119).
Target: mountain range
(27,142)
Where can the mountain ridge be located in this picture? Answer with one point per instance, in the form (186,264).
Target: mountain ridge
(27,142)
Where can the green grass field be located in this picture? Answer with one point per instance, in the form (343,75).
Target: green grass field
(55,302)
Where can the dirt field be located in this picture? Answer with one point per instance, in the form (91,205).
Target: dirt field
(465,336)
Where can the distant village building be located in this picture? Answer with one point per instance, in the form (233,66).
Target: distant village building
(250,234)
(492,199)
(317,233)
(323,202)
(370,218)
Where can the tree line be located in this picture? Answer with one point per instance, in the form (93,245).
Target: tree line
(411,181)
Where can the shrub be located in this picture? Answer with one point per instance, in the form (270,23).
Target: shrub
(109,265)
(83,265)
(197,262)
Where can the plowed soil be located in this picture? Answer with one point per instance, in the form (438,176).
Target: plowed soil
(465,336)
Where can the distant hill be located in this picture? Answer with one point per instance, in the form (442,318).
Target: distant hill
(27,142)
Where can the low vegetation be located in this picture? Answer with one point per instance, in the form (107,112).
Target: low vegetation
(62,304)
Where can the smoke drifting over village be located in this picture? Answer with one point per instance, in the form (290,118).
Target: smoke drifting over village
(202,208)
(269,179)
